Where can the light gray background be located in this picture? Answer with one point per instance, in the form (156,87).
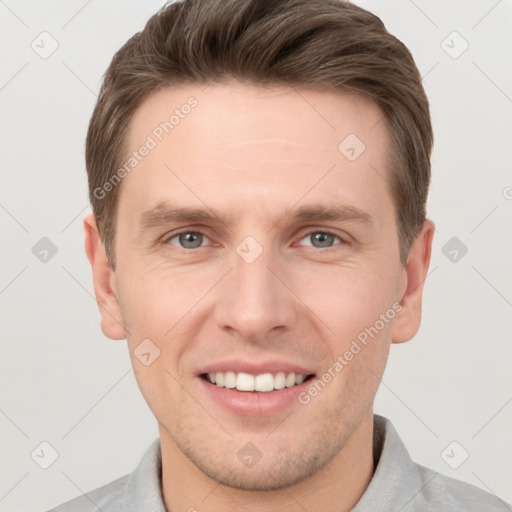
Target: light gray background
(63,382)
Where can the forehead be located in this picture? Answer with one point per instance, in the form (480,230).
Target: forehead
(252,146)
(217,109)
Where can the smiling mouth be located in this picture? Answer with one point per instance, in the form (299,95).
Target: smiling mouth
(263,383)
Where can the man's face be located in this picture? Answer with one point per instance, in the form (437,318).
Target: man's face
(258,289)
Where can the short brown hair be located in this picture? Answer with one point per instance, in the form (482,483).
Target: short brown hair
(324,44)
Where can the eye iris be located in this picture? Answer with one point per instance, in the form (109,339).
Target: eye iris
(191,240)
(324,239)
(194,240)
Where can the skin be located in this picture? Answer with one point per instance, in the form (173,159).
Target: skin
(253,156)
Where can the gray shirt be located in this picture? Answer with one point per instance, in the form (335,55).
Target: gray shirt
(398,485)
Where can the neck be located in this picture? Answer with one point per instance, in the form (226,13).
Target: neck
(337,487)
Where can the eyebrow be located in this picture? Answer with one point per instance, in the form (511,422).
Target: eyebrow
(162,215)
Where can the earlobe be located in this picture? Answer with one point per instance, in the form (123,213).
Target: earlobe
(104,282)
(408,321)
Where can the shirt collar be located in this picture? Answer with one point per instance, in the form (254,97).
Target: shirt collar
(143,489)
(395,482)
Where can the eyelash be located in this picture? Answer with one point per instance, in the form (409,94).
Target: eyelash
(167,239)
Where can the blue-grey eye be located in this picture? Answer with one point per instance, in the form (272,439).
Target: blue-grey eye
(189,239)
(321,239)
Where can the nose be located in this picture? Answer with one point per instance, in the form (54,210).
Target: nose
(254,301)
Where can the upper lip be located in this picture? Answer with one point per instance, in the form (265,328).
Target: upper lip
(255,368)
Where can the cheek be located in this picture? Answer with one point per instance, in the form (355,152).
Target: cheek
(156,300)
(159,385)
(347,299)
(156,306)
(164,306)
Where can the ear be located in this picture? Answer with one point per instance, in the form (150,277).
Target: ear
(104,282)
(407,321)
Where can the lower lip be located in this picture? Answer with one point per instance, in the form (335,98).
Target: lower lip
(254,403)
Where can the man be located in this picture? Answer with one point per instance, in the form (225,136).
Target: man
(258,173)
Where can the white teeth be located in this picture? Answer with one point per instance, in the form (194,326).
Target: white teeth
(280,380)
(263,382)
(245,382)
(229,379)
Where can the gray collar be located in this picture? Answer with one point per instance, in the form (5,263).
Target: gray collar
(396,480)
(143,489)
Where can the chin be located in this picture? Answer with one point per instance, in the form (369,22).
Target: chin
(275,466)
(268,477)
